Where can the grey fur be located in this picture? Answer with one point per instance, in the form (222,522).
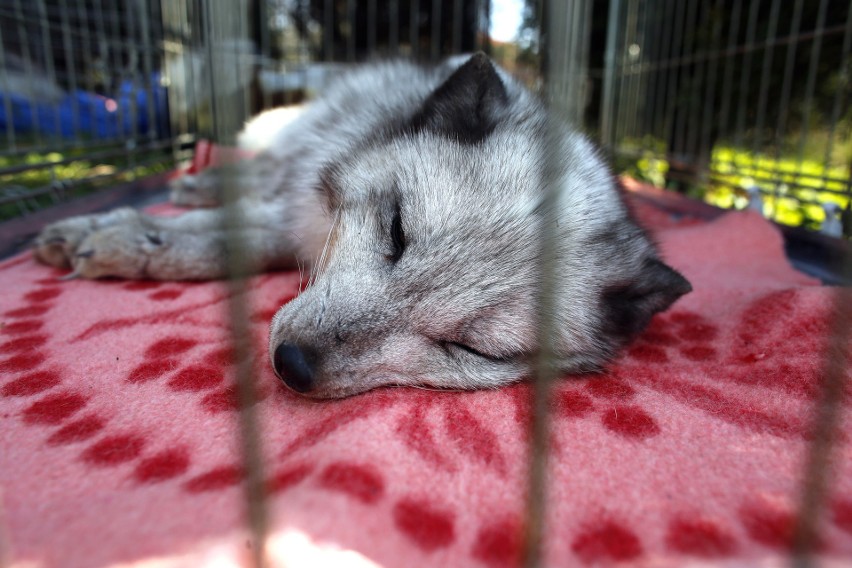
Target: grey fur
(415,196)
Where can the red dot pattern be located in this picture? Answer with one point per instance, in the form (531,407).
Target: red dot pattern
(606,541)
(287,478)
(360,482)
(699,538)
(841,513)
(472,437)
(169,347)
(648,353)
(196,378)
(77,431)
(499,545)
(152,370)
(631,422)
(162,466)
(426,526)
(21,327)
(22,362)
(609,387)
(25,343)
(215,479)
(142,285)
(770,527)
(28,311)
(43,295)
(114,450)
(31,384)
(55,408)
(166,295)
(573,404)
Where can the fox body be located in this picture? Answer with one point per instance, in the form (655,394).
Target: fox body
(416,196)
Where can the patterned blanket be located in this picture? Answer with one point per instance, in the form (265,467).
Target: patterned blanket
(119,439)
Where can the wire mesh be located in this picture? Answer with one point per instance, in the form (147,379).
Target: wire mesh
(678,82)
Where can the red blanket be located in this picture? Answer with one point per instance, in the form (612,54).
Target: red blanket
(118,436)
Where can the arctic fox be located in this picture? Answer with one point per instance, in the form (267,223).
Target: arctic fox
(415,195)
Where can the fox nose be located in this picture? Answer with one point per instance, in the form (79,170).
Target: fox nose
(292,365)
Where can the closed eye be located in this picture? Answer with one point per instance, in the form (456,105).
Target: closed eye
(455,346)
(397,236)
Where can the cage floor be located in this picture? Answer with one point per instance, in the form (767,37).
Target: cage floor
(118,432)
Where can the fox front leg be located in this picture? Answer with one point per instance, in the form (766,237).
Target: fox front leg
(140,251)
(57,243)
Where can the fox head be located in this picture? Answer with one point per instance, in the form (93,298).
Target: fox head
(432,268)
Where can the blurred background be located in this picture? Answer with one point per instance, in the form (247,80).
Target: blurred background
(739,103)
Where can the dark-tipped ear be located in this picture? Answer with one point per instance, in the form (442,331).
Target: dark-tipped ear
(467,105)
(629,307)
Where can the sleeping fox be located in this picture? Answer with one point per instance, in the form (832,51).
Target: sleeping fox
(416,196)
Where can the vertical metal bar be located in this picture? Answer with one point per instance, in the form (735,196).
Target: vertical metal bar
(682,106)
(673,87)
(393,14)
(611,70)
(372,15)
(554,16)
(27,61)
(582,77)
(625,79)
(745,75)
(813,64)
(328,30)
(836,103)
(486,31)
(221,26)
(156,49)
(436,30)
(783,111)
(634,76)
(70,68)
(83,17)
(649,66)
(352,30)
(414,27)
(49,68)
(132,66)
(707,57)
(260,15)
(457,25)
(765,74)
(11,142)
(728,75)
(664,70)
(827,417)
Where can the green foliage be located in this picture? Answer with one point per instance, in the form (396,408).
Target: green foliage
(792,189)
(647,161)
(65,177)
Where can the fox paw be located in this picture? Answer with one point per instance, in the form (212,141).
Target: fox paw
(60,244)
(123,251)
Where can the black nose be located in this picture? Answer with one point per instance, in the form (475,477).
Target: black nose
(292,367)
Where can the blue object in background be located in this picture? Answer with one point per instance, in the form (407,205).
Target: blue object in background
(92,115)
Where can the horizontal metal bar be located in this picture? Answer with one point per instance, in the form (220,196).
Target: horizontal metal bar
(19,168)
(638,68)
(67,185)
(180,139)
(718,177)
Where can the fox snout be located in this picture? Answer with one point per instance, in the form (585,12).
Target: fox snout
(295,367)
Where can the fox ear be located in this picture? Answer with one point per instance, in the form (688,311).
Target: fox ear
(628,308)
(465,107)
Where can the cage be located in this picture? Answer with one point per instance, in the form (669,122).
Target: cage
(145,425)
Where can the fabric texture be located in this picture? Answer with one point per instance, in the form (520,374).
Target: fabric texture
(119,441)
